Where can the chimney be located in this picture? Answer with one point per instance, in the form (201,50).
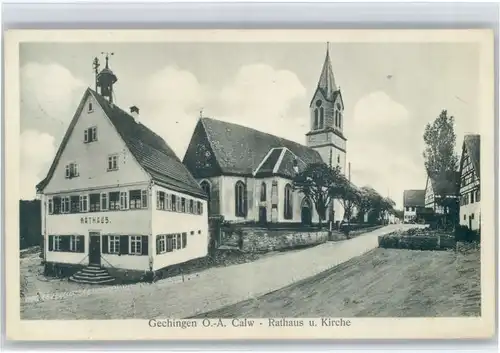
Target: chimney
(134,111)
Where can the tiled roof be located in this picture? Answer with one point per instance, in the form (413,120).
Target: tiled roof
(472,144)
(240,150)
(414,198)
(446,184)
(149,149)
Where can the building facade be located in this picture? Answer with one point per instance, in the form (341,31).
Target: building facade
(470,183)
(248,173)
(117,197)
(438,188)
(413,203)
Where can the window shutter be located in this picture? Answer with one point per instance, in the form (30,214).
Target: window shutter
(67,171)
(65,241)
(81,243)
(144,198)
(124,244)
(104,243)
(51,243)
(184,240)
(145,246)
(157,244)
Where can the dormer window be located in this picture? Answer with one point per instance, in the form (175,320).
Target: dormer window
(90,134)
(90,108)
(72,170)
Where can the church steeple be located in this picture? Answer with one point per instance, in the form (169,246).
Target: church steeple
(326,81)
(105,79)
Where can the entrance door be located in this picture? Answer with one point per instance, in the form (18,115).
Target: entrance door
(306,212)
(95,248)
(262,215)
(470,222)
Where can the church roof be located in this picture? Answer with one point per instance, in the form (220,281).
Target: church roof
(240,150)
(414,198)
(149,149)
(326,81)
(472,145)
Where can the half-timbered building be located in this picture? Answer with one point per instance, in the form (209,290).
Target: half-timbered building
(470,183)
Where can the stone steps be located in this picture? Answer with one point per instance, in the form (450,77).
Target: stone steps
(92,275)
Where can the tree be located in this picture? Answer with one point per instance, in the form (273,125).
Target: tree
(348,196)
(316,182)
(441,160)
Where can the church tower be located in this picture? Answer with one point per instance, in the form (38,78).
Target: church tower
(327,119)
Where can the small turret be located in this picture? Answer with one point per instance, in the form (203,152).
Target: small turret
(105,80)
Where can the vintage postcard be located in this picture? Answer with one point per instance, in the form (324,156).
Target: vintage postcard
(304,184)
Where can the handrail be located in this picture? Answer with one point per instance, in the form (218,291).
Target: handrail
(83,259)
(107,262)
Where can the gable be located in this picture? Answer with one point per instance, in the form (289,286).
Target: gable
(429,193)
(199,157)
(471,148)
(92,158)
(318,94)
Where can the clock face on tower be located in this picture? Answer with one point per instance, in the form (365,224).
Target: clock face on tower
(318,102)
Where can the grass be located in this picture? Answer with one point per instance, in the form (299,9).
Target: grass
(382,283)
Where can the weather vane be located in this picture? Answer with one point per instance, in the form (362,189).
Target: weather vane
(107,57)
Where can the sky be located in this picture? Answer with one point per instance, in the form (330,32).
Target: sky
(390,92)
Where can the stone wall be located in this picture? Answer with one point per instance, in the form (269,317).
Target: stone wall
(264,240)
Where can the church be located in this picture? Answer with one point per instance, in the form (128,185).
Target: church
(247,174)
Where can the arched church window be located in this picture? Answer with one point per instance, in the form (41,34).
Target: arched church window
(263,192)
(315,118)
(206,187)
(240,199)
(321,117)
(336,118)
(288,209)
(340,120)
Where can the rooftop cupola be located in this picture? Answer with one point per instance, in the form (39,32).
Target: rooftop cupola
(105,79)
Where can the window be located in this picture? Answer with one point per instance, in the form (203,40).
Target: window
(114,200)
(71,170)
(340,120)
(240,199)
(195,208)
(338,159)
(123,200)
(200,207)
(178,205)
(472,216)
(478,195)
(84,203)
(144,198)
(90,109)
(465,217)
(316,119)
(104,201)
(407,208)
(174,203)
(75,204)
(183,204)
(135,199)
(57,243)
(174,242)
(95,202)
(336,118)
(179,241)
(321,117)
(135,245)
(160,200)
(75,243)
(57,204)
(161,244)
(288,209)
(206,187)
(114,244)
(191,206)
(51,206)
(168,201)
(65,204)
(472,196)
(170,243)
(90,134)
(263,192)
(113,162)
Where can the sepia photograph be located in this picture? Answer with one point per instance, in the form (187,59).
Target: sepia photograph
(258,183)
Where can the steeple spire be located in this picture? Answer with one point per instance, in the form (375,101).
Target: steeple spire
(326,80)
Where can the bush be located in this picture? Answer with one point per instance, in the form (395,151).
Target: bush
(467,235)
